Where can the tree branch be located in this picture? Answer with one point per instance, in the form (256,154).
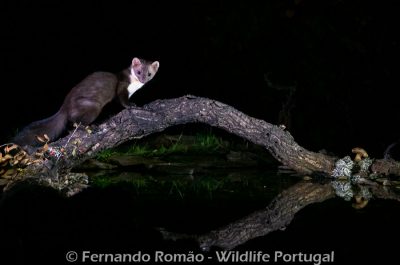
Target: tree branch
(158,115)
(161,114)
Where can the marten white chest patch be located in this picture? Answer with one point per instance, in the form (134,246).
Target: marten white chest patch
(134,86)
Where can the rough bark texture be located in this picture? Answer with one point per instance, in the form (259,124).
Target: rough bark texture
(158,115)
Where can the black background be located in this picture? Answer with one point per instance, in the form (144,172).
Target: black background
(343,56)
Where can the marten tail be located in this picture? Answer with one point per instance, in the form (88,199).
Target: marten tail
(53,127)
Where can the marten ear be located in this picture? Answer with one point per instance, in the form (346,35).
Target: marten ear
(136,62)
(155,65)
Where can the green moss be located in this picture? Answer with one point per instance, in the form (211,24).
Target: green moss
(208,142)
(140,150)
(105,154)
(202,143)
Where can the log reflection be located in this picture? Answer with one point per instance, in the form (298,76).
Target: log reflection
(276,216)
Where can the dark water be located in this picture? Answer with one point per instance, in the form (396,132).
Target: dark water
(40,226)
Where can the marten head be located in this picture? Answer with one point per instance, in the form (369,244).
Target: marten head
(144,70)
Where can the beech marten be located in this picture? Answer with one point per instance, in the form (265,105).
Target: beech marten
(85,101)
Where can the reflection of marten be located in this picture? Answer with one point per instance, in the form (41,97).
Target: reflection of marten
(85,101)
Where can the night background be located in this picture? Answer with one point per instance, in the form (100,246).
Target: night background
(341,56)
(336,60)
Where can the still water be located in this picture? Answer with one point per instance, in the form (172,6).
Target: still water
(219,216)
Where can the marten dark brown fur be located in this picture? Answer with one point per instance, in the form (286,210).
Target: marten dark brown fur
(85,101)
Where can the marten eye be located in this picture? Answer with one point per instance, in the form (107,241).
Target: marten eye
(138,72)
(149,74)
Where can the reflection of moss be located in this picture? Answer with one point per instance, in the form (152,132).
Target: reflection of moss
(209,185)
(206,187)
(177,186)
(102,182)
(138,182)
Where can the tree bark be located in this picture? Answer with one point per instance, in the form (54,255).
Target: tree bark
(156,116)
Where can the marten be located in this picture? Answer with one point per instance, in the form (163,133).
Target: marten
(84,102)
